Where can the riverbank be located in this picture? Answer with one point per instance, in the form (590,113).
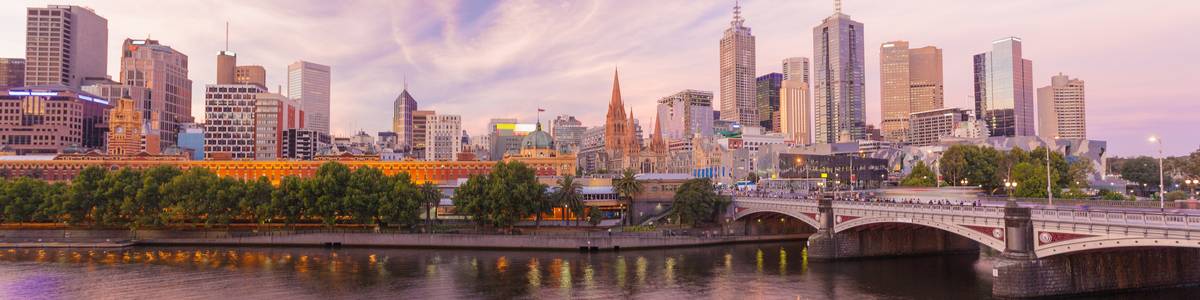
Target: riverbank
(596,241)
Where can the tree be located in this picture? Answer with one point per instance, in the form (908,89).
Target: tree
(327,190)
(501,198)
(954,165)
(287,201)
(429,197)
(256,201)
(752,177)
(696,201)
(21,200)
(595,216)
(627,186)
(570,195)
(146,207)
(1078,172)
(364,192)
(1142,170)
(118,188)
(920,175)
(188,195)
(400,206)
(470,198)
(83,195)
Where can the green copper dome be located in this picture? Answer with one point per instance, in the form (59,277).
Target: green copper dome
(537,139)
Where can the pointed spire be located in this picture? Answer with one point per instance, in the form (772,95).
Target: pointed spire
(657,144)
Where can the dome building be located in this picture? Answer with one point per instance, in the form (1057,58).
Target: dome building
(538,144)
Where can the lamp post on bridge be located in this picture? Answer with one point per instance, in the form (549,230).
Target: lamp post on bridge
(1192,183)
(1011,186)
(1162,190)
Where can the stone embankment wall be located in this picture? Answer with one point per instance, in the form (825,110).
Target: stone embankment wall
(1098,271)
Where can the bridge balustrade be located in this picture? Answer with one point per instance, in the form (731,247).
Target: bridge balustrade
(1132,218)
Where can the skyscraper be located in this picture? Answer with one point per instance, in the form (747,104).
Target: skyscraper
(273,115)
(685,114)
(910,81)
(737,72)
(767,94)
(795,112)
(65,44)
(402,119)
(1004,89)
(420,130)
(12,73)
(839,79)
(163,72)
(309,82)
(1061,109)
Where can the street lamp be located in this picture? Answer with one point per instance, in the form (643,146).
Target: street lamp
(1192,183)
(1049,185)
(963,182)
(1011,186)
(1162,191)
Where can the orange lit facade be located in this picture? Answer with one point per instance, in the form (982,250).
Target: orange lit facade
(65,167)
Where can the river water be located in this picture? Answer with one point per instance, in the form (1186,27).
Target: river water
(747,271)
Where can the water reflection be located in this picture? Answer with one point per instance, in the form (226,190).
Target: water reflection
(741,271)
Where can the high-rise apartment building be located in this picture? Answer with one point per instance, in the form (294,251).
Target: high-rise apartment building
(48,120)
(304,144)
(250,75)
(402,117)
(839,86)
(420,129)
(309,82)
(273,114)
(767,92)
(567,132)
(1004,89)
(229,121)
(1062,112)
(443,137)
(685,114)
(65,44)
(12,73)
(163,73)
(125,128)
(910,81)
(738,72)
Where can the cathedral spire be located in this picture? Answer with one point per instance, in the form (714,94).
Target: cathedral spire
(657,144)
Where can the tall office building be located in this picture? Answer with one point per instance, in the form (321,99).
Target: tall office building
(567,132)
(12,73)
(502,138)
(65,44)
(229,121)
(795,112)
(402,116)
(928,127)
(839,79)
(420,130)
(910,81)
(250,75)
(767,94)
(737,73)
(443,137)
(274,114)
(1004,89)
(309,82)
(796,68)
(163,73)
(1061,109)
(685,114)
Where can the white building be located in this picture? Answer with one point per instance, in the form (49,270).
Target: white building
(229,120)
(443,137)
(309,83)
(738,87)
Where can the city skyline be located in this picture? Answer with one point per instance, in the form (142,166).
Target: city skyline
(483,59)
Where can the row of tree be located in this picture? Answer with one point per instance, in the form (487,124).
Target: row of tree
(166,195)
(990,168)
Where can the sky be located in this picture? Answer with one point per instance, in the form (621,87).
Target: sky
(506,59)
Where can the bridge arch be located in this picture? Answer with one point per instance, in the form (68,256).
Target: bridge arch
(1111,243)
(796,215)
(990,241)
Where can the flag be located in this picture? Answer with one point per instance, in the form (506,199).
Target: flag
(541,110)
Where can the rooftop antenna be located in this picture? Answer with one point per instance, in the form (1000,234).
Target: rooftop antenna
(837,6)
(226,35)
(405,81)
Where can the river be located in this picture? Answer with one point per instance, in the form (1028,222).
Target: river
(746,271)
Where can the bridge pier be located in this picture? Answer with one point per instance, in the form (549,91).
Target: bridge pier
(896,240)
(823,245)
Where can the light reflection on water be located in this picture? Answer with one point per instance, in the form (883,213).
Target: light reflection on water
(770,271)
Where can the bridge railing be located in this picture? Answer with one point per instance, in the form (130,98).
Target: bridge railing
(1124,218)
(952,209)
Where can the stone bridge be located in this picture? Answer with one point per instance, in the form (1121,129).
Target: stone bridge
(1044,251)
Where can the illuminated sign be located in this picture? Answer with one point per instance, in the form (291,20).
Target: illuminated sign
(525,127)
